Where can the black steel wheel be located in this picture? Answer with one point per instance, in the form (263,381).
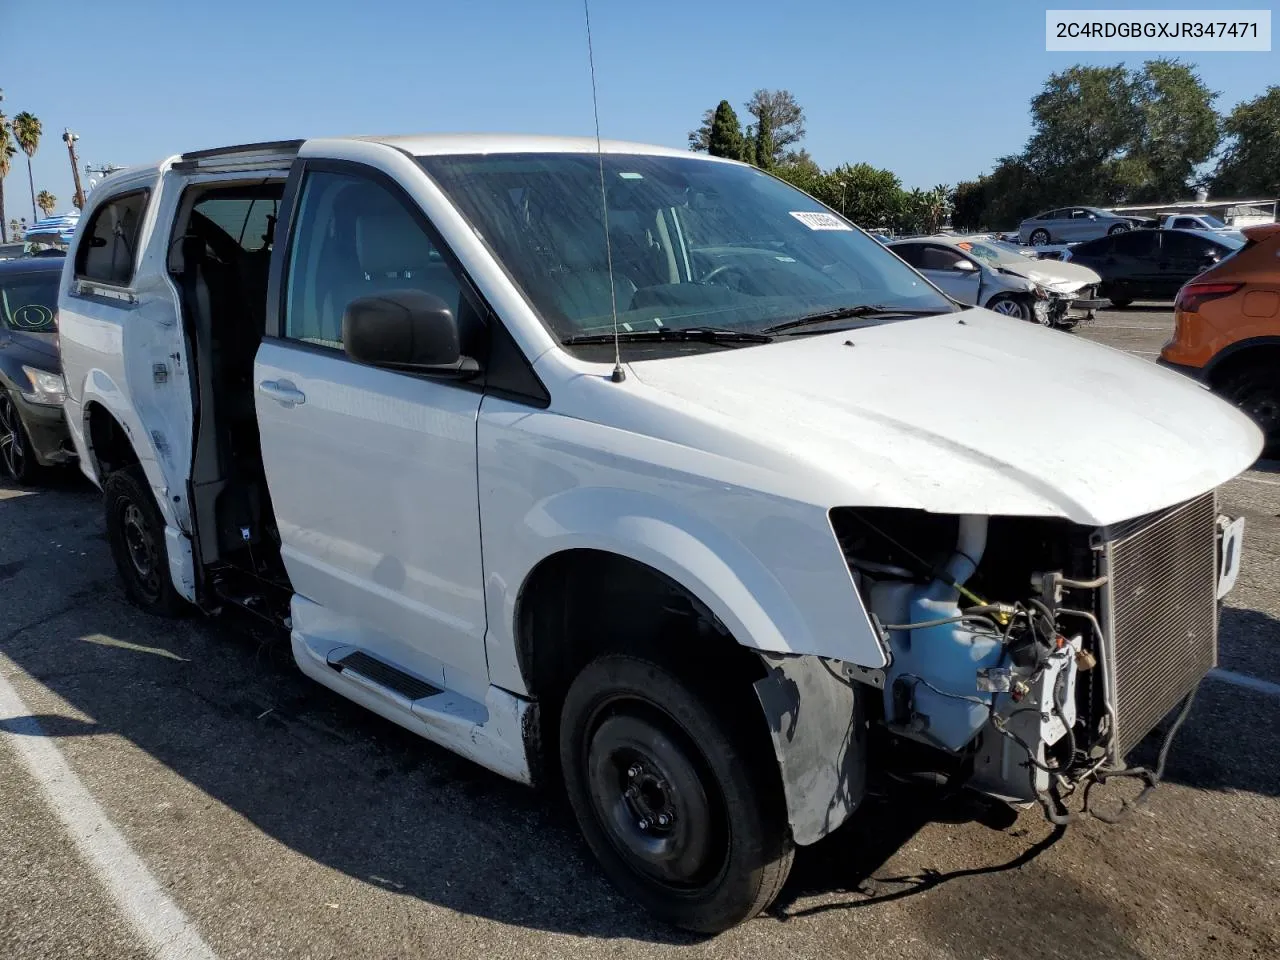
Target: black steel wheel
(16,456)
(678,803)
(1039,237)
(135,530)
(1256,392)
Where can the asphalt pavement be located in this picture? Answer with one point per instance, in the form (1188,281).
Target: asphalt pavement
(178,789)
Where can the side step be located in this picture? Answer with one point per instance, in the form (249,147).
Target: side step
(384,675)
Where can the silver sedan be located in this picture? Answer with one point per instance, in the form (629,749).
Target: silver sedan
(1069,225)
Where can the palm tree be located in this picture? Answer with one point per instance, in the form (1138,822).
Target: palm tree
(46,201)
(6,154)
(27,130)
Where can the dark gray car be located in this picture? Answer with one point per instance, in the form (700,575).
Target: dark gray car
(33,430)
(1070,225)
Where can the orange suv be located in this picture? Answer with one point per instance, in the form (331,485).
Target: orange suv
(1227,330)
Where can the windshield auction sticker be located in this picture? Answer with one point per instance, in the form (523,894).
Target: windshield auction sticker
(816,220)
(1171,30)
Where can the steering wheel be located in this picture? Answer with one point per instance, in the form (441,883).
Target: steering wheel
(714,272)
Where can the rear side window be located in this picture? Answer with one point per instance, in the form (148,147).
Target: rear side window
(109,247)
(248,221)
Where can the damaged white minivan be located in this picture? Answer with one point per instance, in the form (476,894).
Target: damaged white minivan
(710,520)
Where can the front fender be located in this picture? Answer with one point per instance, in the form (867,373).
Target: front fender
(777,582)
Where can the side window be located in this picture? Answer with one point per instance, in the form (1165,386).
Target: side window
(1095,248)
(940,258)
(352,238)
(1136,243)
(1079,213)
(1185,223)
(248,221)
(910,252)
(109,246)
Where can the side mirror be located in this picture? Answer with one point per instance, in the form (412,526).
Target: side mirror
(965,266)
(1093,216)
(406,330)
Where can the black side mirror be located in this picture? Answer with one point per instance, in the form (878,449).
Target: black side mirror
(406,330)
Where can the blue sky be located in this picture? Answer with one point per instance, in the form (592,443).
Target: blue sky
(935,91)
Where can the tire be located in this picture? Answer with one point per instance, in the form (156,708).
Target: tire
(1038,237)
(1008,305)
(1118,228)
(135,531)
(639,744)
(17,459)
(1121,302)
(1257,393)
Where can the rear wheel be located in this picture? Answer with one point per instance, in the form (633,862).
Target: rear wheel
(17,459)
(135,530)
(679,801)
(1257,393)
(1039,237)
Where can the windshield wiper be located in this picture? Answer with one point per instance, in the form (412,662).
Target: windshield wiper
(862,310)
(673,334)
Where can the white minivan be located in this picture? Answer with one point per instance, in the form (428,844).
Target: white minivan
(645,470)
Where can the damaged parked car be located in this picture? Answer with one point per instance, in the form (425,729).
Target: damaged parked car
(992,274)
(646,471)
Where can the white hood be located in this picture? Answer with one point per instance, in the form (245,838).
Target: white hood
(970,413)
(1054,274)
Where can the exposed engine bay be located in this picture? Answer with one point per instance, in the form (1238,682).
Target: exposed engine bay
(1037,651)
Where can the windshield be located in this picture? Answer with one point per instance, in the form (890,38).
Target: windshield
(994,252)
(694,243)
(29,301)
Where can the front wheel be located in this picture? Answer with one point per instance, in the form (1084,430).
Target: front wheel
(1118,228)
(1010,306)
(677,797)
(135,530)
(1256,393)
(1039,238)
(16,456)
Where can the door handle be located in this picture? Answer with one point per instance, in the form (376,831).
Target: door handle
(282,391)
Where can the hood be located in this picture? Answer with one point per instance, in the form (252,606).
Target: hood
(970,413)
(34,349)
(1054,274)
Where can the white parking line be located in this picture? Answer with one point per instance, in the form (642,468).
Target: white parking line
(1244,680)
(141,898)
(1269,483)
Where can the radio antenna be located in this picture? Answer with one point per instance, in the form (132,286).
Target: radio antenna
(618,373)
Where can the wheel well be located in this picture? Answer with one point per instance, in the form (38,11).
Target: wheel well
(578,604)
(1258,355)
(109,444)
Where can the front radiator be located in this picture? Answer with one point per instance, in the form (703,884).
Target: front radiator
(1159,614)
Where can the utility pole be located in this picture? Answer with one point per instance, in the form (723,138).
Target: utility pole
(70,139)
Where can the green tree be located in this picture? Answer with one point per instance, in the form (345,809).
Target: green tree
(1179,132)
(1083,121)
(969,204)
(47,202)
(6,164)
(778,127)
(1250,164)
(27,130)
(725,136)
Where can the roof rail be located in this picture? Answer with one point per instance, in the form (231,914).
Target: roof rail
(266,146)
(279,152)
